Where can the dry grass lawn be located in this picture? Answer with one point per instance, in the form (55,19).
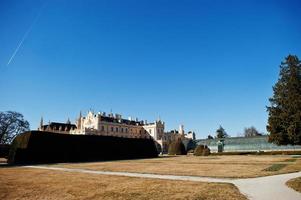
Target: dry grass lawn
(295,184)
(235,166)
(22,183)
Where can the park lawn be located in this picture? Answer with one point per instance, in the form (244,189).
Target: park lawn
(234,166)
(295,184)
(25,183)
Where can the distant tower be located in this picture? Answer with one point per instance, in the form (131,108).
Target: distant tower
(41,124)
(181,129)
(79,120)
(68,121)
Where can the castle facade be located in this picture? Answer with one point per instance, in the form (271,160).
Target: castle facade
(114,125)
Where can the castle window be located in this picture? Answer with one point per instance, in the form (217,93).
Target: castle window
(102,128)
(126,130)
(112,129)
(150,131)
(116,129)
(121,130)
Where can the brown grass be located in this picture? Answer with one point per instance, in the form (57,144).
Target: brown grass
(22,183)
(213,166)
(295,184)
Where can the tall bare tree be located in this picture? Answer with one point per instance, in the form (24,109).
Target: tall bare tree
(11,124)
(251,132)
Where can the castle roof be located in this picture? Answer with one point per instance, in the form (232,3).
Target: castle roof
(58,125)
(121,121)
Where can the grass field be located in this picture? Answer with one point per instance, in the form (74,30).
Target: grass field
(25,183)
(214,166)
(295,184)
(22,183)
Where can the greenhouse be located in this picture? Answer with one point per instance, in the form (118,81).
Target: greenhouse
(232,144)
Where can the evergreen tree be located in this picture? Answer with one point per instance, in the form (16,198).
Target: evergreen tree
(221,133)
(284,122)
(209,137)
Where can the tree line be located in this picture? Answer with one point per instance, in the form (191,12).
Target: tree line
(248,132)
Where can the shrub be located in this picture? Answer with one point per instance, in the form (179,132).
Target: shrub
(177,148)
(202,150)
(189,144)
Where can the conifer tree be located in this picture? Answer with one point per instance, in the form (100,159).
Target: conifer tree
(284,122)
(221,133)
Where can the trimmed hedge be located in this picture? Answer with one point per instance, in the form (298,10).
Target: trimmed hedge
(177,148)
(202,150)
(4,150)
(46,147)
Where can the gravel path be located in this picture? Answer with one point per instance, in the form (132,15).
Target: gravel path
(262,188)
(268,187)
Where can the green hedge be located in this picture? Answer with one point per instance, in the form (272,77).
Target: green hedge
(46,147)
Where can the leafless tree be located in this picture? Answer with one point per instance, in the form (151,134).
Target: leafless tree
(251,132)
(11,124)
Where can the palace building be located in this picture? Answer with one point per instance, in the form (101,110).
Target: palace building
(114,125)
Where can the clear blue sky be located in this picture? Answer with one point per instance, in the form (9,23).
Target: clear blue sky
(199,63)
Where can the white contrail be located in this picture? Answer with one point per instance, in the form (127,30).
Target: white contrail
(19,45)
(25,36)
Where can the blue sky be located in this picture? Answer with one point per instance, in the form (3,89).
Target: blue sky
(198,63)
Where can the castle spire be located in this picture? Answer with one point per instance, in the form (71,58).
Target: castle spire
(41,123)
(79,120)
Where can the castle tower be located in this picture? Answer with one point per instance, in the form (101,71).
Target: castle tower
(41,124)
(79,121)
(181,129)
